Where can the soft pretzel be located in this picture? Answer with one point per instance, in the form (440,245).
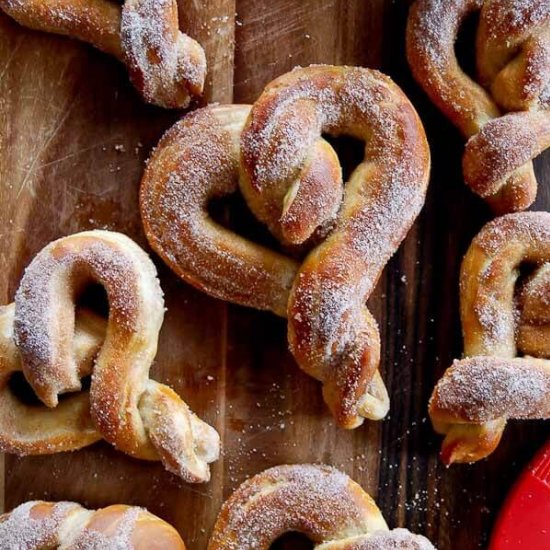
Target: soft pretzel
(292,180)
(317,501)
(39,525)
(513,64)
(40,337)
(166,66)
(501,320)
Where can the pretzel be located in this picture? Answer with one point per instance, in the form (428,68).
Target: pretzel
(495,382)
(39,525)
(317,501)
(166,66)
(506,116)
(39,336)
(291,178)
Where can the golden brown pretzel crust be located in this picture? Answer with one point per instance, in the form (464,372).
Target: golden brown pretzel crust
(533,331)
(513,61)
(331,332)
(37,336)
(475,397)
(167,67)
(196,161)
(38,525)
(332,335)
(318,501)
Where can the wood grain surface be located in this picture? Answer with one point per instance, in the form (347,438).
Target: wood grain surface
(73,139)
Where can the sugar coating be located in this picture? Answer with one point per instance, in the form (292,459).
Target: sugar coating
(481,389)
(318,501)
(513,63)
(487,287)
(132,412)
(119,539)
(20,531)
(196,161)
(330,328)
(68,525)
(166,66)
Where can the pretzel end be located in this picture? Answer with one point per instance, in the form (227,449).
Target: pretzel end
(468,443)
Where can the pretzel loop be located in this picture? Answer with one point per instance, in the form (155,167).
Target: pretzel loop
(137,415)
(195,162)
(475,397)
(317,501)
(292,181)
(513,62)
(332,334)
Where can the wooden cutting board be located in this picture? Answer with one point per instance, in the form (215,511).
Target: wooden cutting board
(73,139)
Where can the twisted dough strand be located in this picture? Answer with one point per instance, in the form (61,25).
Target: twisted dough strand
(475,397)
(332,334)
(166,66)
(513,61)
(38,525)
(318,501)
(137,415)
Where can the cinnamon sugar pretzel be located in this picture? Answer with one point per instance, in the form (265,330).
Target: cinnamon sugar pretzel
(166,66)
(40,336)
(292,180)
(506,117)
(39,525)
(506,373)
(317,501)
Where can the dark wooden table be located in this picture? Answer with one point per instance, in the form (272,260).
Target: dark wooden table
(73,138)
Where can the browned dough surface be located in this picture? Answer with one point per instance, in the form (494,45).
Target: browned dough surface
(73,135)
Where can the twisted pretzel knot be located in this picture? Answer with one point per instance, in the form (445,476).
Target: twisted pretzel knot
(292,180)
(506,339)
(39,337)
(166,66)
(318,501)
(513,64)
(39,525)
